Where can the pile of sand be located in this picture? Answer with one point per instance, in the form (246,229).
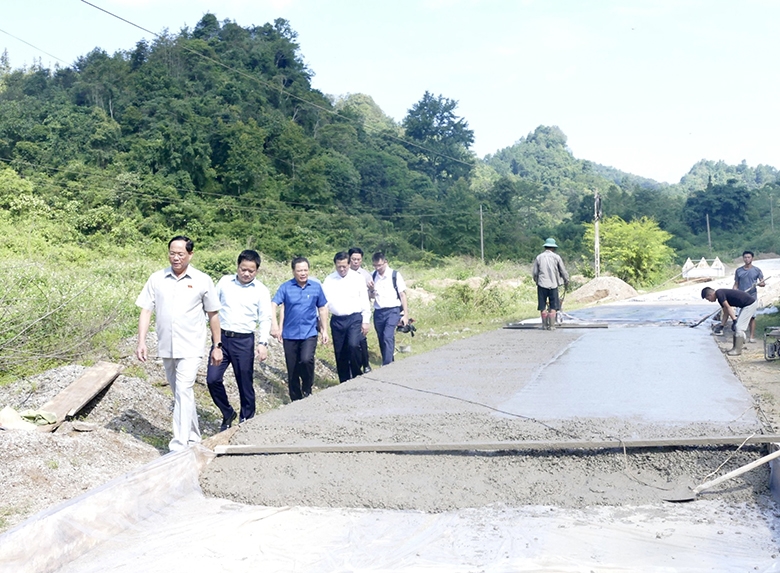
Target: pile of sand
(602,289)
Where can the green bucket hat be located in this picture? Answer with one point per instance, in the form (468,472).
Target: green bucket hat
(550,243)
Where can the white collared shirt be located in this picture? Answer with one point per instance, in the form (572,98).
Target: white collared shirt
(245,307)
(180,305)
(384,293)
(347,295)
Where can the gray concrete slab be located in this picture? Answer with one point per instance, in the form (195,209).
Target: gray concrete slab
(654,375)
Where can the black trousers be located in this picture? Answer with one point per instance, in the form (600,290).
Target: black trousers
(364,353)
(240,354)
(346,334)
(299,357)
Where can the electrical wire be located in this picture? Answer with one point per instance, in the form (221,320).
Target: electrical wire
(34,47)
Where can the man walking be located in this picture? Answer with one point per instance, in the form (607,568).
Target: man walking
(390,305)
(246,307)
(350,315)
(303,310)
(747,278)
(179,296)
(549,273)
(356,264)
(729,299)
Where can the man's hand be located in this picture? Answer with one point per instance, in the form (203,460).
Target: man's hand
(277,333)
(216,356)
(324,335)
(141,351)
(404,320)
(261,352)
(364,328)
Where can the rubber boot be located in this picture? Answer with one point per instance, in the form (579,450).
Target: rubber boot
(552,317)
(737,350)
(545,321)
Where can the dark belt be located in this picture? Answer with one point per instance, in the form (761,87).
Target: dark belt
(228,334)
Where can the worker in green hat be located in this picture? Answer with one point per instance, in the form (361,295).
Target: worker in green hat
(549,273)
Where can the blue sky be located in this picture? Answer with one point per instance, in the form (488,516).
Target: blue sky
(647,86)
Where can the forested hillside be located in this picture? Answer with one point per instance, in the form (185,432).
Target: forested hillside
(216,132)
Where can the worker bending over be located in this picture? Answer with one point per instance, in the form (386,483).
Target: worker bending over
(729,299)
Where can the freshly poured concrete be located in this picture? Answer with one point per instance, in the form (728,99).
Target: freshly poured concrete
(656,375)
(580,511)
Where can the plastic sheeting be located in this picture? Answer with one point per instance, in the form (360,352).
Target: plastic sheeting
(156,520)
(64,532)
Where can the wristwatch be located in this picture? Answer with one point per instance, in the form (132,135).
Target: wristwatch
(218,345)
(263,343)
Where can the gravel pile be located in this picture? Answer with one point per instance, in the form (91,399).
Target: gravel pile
(602,289)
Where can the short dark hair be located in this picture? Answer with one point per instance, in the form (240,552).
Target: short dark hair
(249,255)
(341,256)
(188,244)
(355,251)
(297,260)
(705,291)
(378,256)
(748,253)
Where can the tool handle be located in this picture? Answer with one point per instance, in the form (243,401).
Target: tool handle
(736,472)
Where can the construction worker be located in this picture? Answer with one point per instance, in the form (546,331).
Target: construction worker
(729,299)
(549,273)
(747,278)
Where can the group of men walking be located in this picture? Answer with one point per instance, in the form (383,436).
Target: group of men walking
(242,316)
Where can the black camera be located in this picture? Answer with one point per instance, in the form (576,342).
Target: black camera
(408,327)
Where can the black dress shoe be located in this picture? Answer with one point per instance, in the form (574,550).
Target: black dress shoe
(366,369)
(227,422)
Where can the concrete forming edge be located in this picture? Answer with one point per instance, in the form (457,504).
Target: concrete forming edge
(58,535)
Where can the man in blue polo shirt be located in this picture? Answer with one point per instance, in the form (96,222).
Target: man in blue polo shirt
(302,311)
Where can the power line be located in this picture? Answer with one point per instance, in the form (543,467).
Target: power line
(34,47)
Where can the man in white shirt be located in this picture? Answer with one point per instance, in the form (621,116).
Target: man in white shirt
(356,264)
(350,315)
(390,305)
(246,308)
(180,297)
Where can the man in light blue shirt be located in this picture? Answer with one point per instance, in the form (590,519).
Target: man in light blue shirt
(246,308)
(303,310)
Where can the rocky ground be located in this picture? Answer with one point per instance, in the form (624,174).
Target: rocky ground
(129,424)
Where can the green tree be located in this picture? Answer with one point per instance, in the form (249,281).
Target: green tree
(439,139)
(635,252)
(727,207)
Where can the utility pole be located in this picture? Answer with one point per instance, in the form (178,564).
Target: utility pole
(422,244)
(772,211)
(481,235)
(709,238)
(596,245)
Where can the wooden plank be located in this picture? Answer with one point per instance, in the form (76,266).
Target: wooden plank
(79,393)
(531,445)
(565,325)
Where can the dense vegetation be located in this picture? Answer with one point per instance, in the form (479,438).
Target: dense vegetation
(216,132)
